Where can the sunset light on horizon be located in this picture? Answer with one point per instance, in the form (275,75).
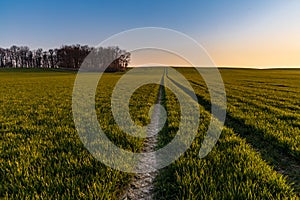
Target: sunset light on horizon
(234,33)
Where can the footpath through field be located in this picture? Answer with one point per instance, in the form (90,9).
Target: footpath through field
(142,185)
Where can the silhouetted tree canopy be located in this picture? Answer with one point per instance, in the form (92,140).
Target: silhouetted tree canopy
(67,56)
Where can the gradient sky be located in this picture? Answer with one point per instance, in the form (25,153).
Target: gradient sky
(234,32)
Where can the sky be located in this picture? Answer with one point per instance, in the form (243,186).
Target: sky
(258,33)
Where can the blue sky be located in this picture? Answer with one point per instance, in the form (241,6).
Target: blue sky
(234,32)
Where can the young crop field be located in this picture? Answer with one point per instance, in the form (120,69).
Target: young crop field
(256,156)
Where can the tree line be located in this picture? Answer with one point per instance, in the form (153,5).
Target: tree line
(67,56)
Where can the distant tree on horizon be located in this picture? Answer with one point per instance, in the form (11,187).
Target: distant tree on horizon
(67,56)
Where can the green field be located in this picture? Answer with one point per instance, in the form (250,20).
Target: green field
(256,157)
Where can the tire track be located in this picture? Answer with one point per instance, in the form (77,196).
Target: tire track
(142,185)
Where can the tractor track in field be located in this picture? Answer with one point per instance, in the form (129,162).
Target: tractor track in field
(279,156)
(142,185)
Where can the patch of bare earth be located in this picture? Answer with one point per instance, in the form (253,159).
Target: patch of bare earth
(142,185)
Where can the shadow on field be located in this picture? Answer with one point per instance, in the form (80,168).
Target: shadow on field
(276,153)
(165,181)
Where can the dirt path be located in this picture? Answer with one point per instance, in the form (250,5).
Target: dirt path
(143,184)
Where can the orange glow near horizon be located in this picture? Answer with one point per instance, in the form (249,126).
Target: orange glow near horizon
(268,51)
(148,57)
(232,58)
(269,38)
(281,49)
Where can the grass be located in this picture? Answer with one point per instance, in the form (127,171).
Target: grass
(41,155)
(256,157)
(233,170)
(263,108)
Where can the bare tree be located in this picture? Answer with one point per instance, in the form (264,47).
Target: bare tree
(38,57)
(2,57)
(51,52)
(112,58)
(23,55)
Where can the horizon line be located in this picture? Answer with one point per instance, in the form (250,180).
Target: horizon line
(224,66)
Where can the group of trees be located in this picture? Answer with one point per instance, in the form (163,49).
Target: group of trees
(68,56)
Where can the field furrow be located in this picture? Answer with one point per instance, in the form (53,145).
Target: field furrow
(256,156)
(232,170)
(268,131)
